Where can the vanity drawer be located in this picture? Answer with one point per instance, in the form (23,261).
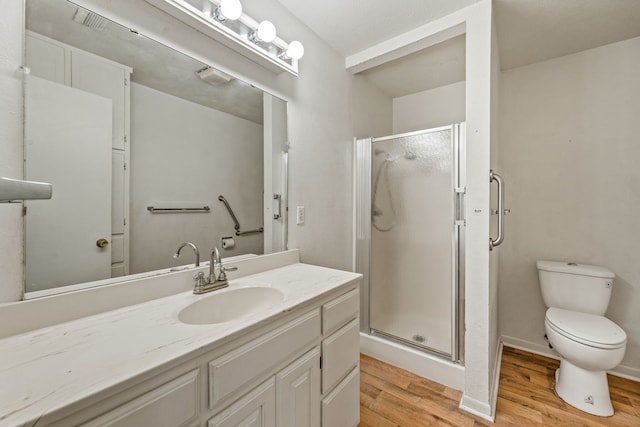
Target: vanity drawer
(175,403)
(258,408)
(339,311)
(249,362)
(340,354)
(342,406)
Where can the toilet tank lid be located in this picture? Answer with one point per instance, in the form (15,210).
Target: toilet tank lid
(574,268)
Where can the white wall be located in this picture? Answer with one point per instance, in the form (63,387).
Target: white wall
(570,151)
(372,109)
(184,152)
(494,328)
(478,304)
(11,118)
(431,108)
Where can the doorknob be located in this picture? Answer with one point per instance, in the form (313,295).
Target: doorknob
(102,243)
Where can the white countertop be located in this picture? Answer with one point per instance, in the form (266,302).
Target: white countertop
(47,369)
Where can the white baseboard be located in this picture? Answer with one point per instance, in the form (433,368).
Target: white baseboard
(482,409)
(543,350)
(477,408)
(425,365)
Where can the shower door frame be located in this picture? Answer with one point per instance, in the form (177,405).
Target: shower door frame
(362,243)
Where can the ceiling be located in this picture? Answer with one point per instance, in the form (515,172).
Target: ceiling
(528,31)
(531,31)
(154,65)
(350,26)
(435,66)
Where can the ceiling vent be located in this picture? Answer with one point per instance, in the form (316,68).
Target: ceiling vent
(212,76)
(90,19)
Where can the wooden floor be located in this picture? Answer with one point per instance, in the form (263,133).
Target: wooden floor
(390,397)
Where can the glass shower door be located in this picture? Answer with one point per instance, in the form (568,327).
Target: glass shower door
(414,241)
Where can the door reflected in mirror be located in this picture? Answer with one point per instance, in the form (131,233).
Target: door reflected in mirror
(120,123)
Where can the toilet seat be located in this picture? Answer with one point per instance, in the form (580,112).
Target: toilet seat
(584,328)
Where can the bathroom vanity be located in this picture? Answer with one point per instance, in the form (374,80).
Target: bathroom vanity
(279,347)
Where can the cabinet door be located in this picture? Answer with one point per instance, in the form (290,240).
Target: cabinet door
(45,59)
(256,409)
(298,391)
(117,195)
(97,76)
(340,353)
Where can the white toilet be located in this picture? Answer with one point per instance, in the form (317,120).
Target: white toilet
(589,344)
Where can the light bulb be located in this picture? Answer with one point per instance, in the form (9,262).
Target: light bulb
(295,50)
(228,9)
(266,32)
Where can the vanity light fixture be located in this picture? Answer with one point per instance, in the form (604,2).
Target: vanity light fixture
(266,32)
(225,22)
(228,9)
(295,50)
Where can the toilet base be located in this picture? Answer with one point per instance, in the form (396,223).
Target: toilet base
(583,389)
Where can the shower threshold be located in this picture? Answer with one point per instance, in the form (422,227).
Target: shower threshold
(413,344)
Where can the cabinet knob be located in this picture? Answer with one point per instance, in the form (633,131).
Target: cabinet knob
(102,243)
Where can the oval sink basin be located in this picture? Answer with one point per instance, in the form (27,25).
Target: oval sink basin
(225,306)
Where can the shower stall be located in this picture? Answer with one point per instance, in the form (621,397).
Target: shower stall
(410,239)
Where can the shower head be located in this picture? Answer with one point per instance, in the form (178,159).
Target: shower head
(408,155)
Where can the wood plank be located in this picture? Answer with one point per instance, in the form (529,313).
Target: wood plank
(369,418)
(392,397)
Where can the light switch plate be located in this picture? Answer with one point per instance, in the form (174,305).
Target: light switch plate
(300,215)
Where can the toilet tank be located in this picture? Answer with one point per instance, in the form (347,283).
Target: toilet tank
(577,287)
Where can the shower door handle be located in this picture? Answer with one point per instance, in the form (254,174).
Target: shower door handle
(459,205)
(278,213)
(501,210)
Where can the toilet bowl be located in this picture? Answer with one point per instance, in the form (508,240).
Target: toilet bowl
(589,345)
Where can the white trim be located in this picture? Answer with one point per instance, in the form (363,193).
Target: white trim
(496,379)
(423,364)
(481,409)
(407,43)
(622,371)
(475,407)
(534,348)
(354,202)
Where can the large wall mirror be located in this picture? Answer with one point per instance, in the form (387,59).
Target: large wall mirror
(140,142)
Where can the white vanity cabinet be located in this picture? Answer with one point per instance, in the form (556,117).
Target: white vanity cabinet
(300,369)
(320,387)
(256,409)
(341,361)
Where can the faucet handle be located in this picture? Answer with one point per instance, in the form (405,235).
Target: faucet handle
(200,280)
(223,275)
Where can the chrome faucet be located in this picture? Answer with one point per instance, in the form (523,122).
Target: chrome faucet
(212,282)
(192,246)
(214,262)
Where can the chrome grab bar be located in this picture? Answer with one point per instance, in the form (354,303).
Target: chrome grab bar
(501,211)
(155,210)
(235,220)
(278,213)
